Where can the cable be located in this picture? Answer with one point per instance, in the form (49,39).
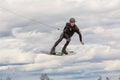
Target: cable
(30,19)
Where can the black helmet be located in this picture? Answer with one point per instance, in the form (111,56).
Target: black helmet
(72,20)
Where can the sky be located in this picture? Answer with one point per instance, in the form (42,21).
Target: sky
(25,31)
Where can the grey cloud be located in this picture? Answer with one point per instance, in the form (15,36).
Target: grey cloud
(98,20)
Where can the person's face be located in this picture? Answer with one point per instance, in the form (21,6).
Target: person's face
(72,24)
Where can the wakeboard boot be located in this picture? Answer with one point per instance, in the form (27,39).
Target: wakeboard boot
(52,52)
(64,52)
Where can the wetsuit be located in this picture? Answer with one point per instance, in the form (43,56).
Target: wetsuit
(67,34)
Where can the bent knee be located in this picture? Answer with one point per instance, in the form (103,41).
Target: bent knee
(68,39)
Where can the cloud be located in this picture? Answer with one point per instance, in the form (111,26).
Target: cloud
(14,57)
(3,68)
(39,12)
(32,59)
(11,54)
(22,39)
(112,65)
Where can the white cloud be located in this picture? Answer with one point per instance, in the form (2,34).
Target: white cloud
(15,57)
(3,68)
(11,54)
(99,23)
(46,63)
(112,65)
(101,4)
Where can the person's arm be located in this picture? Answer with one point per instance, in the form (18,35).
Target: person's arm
(80,35)
(65,28)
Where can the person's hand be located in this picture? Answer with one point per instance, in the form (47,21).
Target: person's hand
(82,43)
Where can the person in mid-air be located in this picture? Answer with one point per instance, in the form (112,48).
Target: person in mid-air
(67,33)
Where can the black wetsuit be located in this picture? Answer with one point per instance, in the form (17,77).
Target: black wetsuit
(67,34)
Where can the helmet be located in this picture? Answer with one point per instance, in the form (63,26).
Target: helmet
(72,20)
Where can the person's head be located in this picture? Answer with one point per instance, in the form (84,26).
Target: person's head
(72,22)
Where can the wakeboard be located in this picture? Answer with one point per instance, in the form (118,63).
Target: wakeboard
(59,53)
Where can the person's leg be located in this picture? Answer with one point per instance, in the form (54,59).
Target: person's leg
(65,46)
(56,43)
